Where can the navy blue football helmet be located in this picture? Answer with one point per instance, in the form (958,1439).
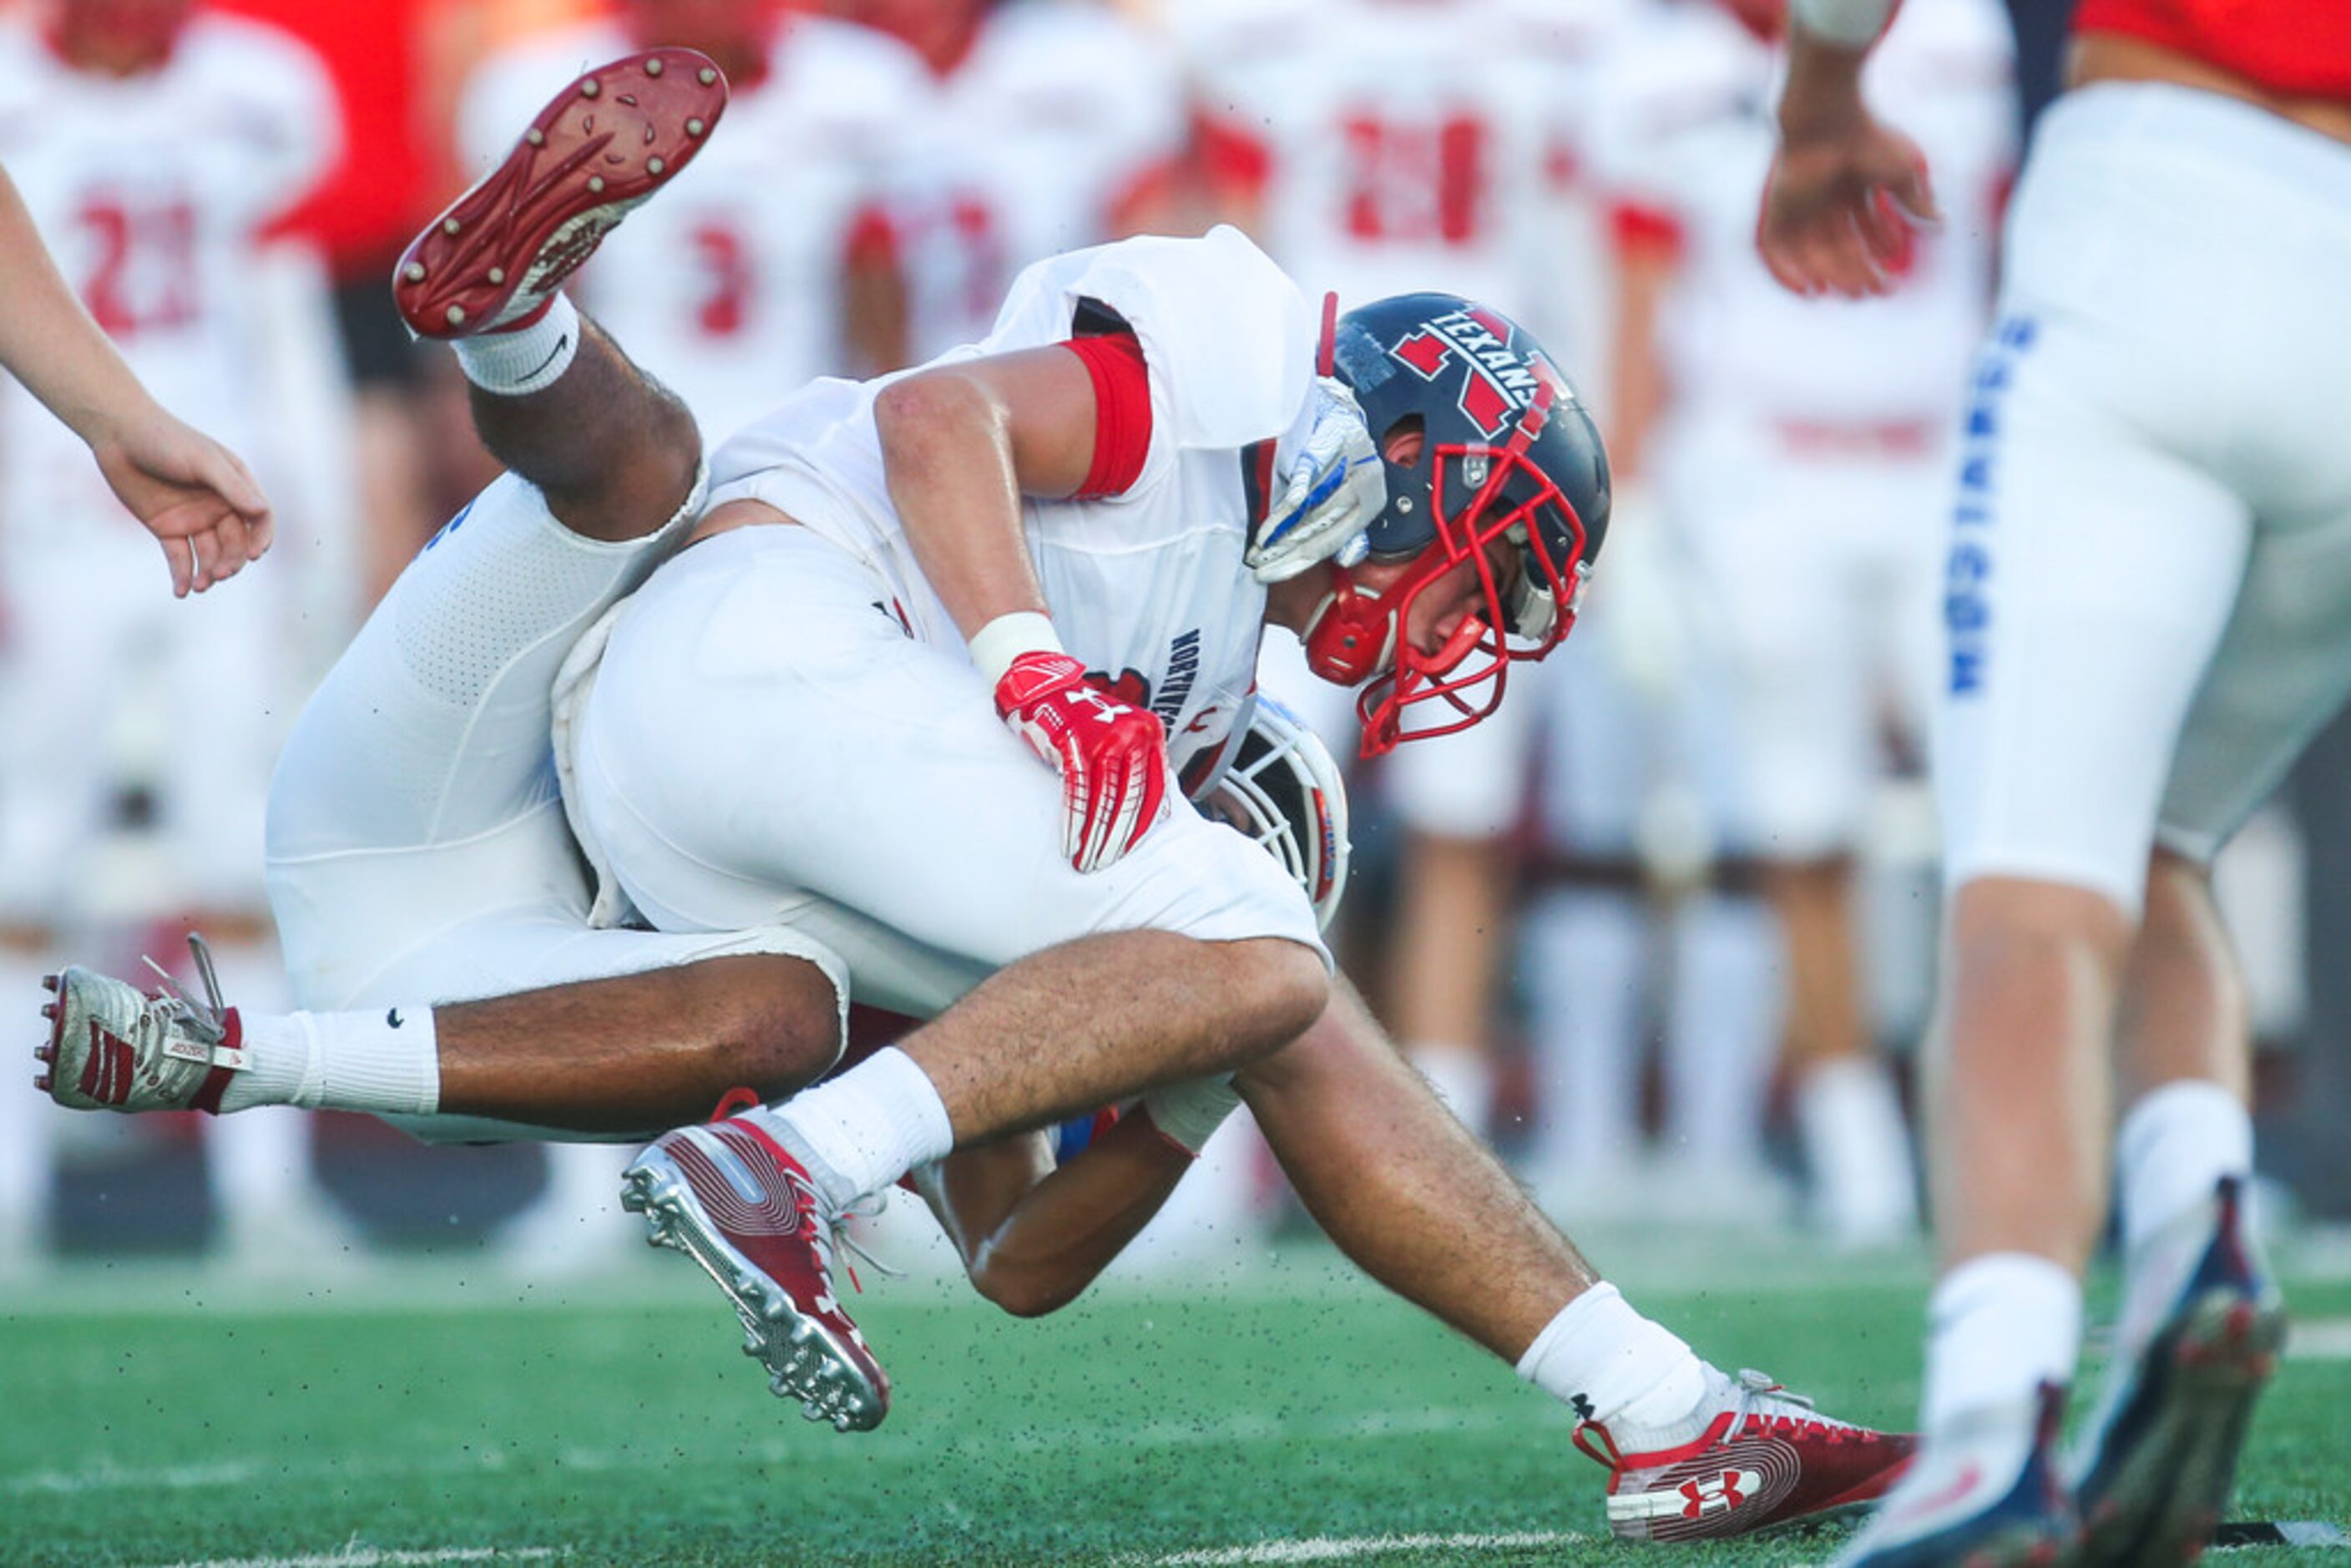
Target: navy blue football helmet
(1506,453)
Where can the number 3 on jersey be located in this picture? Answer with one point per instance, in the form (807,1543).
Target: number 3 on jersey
(723,305)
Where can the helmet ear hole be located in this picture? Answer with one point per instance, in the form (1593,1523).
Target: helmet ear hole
(1403,442)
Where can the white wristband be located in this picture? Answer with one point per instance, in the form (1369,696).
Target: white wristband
(1847,23)
(995,645)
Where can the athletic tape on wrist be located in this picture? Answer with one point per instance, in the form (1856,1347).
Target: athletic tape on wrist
(995,645)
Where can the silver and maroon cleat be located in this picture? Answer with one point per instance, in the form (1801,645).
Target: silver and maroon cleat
(731,1198)
(112,1047)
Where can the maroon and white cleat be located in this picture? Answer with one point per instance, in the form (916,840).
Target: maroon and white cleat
(112,1047)
(1753,1457)
(607,142)
(730,1197)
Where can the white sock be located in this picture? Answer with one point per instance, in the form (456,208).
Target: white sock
(1857,1148)
(1998,1327)
(1583,968)
(257,1165)
(2175,1145)
(1722,1028)
(1608,1363)
(363,1061)
(521,360)
(865,1128)
(1462,1078)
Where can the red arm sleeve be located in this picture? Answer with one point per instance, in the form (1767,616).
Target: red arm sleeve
(1121,411)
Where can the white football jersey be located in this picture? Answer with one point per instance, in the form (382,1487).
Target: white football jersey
(1147,587)
(727,286)
(1406,145)
(152,193)
(1027,148)
(1685,131)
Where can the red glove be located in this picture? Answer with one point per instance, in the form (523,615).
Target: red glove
(1113,758)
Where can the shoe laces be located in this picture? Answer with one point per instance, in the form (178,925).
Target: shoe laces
(1767,1408)
(206,1019)
(866,1207)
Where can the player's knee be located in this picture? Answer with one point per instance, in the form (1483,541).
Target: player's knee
(774,1023)
(1274,988)
(1020,1292)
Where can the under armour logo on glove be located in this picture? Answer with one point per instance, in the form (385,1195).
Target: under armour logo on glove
(1112,758)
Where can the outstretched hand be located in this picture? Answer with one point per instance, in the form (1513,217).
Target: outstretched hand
(191,493)
(1840,205)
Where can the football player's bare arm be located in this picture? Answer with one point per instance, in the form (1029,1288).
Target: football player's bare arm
(1033,1235)
(1407,1191)
(191,493)
(1844,187)
(962,444)
(1647,259)
(613,451)
(875,323)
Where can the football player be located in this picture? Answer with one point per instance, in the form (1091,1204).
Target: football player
(1041,129)
(192,493)
(1802,459)
(419,848)
(2146,601)
(1375,145)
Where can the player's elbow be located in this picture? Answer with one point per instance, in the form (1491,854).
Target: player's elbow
(931,420)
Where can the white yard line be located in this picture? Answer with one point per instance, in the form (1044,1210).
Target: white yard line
(2319,1339)
(1340,1548)
(370,1557)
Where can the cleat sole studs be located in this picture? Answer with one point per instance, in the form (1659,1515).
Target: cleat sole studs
(535,136)
(497,274)
(705,75)
(654,67)
(654,166)
(449,226)
(591,87)
(49,1010)
(694,128)
(596,183)
(414,272)
(456,315)
(48,982)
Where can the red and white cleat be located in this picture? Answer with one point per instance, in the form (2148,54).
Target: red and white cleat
(112,1047)
(607,142)
(731,1198)
(1753,1457)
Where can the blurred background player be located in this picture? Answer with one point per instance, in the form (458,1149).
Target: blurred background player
(1381,146)
(1046,126)
(2146,603)
(742,284)
(1800,451)
(156,148)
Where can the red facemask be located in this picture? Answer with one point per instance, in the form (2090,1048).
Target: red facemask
(1356,635)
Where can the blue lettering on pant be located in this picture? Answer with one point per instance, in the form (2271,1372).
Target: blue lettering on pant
(1967,608)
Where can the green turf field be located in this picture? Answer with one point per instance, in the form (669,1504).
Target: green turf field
(430,1414)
